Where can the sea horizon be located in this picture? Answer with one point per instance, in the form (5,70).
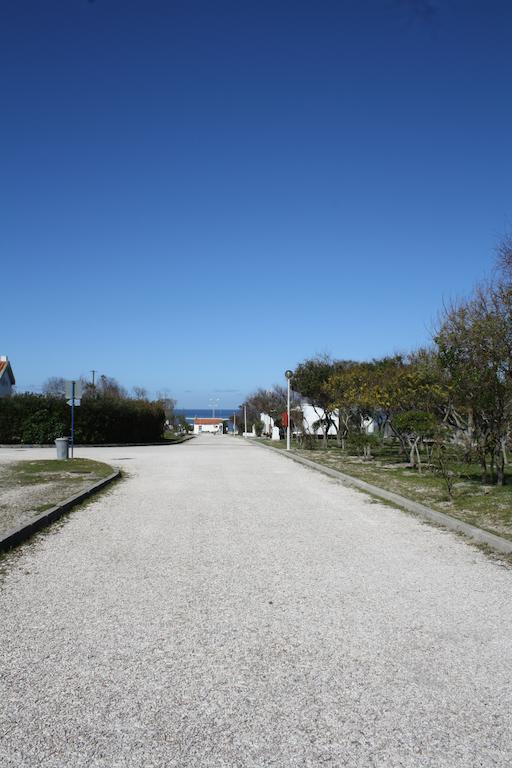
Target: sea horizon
(204,413)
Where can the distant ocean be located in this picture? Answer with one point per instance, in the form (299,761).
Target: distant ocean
(205,413)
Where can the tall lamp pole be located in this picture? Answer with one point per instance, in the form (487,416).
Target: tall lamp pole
(288,375)
(244,406)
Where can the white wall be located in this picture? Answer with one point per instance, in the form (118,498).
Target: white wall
(199,428)
(310,416)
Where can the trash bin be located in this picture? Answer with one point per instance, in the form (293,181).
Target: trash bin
(62,444)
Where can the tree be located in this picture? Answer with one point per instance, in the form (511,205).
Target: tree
(405,393)
(107,386)
(414,426)
(55,386)
(310,380)
(474,344)
(140,393)
(169,405)
(340,390)
(274,402)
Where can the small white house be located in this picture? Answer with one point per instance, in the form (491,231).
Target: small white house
(215,426)
(312,416)
(7,380)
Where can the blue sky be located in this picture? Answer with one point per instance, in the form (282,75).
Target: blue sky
(197,195)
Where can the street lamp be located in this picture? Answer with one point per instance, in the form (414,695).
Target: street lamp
(288,375)
(244,406)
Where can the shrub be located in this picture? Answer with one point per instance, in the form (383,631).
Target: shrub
(40,419)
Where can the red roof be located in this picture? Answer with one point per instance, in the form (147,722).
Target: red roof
(6,366)
(208,421)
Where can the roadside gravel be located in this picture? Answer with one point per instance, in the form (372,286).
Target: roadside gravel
(224,607)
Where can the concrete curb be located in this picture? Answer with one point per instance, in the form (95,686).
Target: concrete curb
(477,534)
(100,445)
(17,535)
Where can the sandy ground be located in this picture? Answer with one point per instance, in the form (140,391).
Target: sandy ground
(21,502)
(226,607)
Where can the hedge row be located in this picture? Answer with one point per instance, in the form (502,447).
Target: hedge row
(40,419)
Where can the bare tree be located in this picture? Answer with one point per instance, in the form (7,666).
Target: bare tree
(55,386)
(140,393)
(107,386)
(504,261)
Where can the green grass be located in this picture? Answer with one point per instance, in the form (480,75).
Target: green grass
(486,506)
(49,470)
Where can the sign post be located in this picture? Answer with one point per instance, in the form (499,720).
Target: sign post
(73,392)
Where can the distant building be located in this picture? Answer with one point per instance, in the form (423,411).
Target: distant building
(7,380)
(310,422)
(209,425)
(309,416)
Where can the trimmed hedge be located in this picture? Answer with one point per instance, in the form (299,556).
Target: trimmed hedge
(40,419)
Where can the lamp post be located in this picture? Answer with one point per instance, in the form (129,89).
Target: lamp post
(288,375)
(244,406)
(234,425)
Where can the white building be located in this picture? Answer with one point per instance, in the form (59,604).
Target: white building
(7,380)
(215,426)
(312,416)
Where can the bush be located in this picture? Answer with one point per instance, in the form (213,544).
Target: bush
(361,443)
(41,418)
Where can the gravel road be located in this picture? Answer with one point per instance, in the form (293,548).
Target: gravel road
(223,606)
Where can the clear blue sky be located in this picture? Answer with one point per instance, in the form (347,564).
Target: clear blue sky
(196,194)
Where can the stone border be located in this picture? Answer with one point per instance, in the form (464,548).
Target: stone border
(17,535)
(472,531)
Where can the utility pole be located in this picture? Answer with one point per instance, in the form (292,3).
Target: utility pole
(93,376)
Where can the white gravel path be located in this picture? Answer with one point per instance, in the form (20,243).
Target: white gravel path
(226,607)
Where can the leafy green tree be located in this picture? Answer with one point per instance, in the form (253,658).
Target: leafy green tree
(310,379)
(414,426)
(387,389)
(474,345)
(345,389)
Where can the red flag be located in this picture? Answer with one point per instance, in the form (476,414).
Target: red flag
(284,419)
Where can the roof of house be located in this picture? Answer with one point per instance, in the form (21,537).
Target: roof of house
(208,421)
(5,368)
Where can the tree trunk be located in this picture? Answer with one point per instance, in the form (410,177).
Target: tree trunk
(412,461)
(483,463)
(418,454)
(500,465)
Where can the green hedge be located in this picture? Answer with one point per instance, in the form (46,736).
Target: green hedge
(40,419)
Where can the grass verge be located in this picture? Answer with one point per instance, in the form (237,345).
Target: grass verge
(32,487)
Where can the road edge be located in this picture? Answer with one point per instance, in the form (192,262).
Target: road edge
(17,535)
(452,523)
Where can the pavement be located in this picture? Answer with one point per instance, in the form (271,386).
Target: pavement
(222,606)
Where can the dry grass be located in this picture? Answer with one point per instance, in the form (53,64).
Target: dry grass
(31,487)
